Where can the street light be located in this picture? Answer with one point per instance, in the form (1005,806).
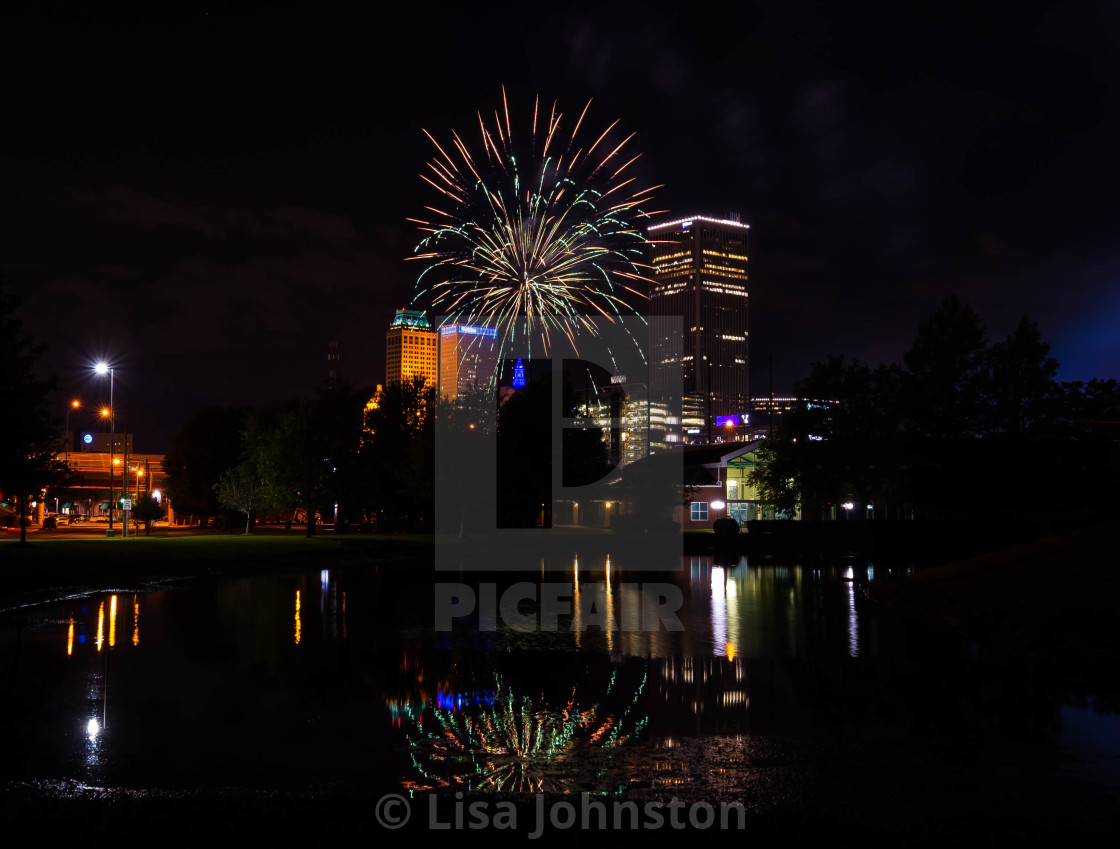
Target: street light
(74,405)
(103,369)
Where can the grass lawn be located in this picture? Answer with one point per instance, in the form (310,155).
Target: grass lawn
(1080,569)
(1054,601)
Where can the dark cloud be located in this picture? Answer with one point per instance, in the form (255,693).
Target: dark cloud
(242,300)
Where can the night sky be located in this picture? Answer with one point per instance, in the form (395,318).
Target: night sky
(206,197)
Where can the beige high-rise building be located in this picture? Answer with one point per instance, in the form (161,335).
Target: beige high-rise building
(410,349)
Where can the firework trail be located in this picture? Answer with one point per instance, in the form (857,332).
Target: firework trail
(533,236)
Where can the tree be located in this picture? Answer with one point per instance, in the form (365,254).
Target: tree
(299,462)
(28,434)
(840,445)
(1022,385)
(240,489)
(959,428)
(147,509)
(946,377)
(1087,450)
(206,446)
(462,457)
(398,450)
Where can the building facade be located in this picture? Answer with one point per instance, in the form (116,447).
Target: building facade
(410,349)
(718,477)
(700,273)
(468,357)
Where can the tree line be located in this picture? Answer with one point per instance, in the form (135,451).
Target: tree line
(368,458)
(28,433)
(959,429)
(360,456)
(367,452)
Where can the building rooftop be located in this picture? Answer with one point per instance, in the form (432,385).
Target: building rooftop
(685,222)
(410,318)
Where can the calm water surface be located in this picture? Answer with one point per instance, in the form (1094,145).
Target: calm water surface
(337,680)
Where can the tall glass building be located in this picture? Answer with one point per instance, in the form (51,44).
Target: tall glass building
(700,274)
(468,357)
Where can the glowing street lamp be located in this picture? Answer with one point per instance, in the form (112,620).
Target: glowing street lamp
(74,405)
(103,369)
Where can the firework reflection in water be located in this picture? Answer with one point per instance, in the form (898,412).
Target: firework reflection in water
(511,743)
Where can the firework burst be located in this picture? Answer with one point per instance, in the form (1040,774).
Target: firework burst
(533,236)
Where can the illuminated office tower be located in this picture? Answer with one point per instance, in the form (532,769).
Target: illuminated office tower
(468,356)
(410,349)
(700,274)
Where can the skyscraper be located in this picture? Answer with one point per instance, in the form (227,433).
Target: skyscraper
(700,273)
(468,356)
(410,348)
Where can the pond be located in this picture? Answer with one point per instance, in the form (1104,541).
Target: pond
(782,689)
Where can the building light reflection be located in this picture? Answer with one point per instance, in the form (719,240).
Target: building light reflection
(299,626)
(719,610)
(112,621)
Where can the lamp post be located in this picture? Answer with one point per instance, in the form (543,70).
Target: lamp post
(74,405)
(139,474)
(103,369)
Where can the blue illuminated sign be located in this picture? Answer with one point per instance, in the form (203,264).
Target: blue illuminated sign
(724,421)
(519,375)
(87,438)
(489,332)
(468,330)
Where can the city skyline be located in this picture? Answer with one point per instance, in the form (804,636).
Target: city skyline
(210,226)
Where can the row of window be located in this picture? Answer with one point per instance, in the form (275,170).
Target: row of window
(740,512)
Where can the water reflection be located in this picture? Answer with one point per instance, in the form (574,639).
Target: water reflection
(299,624)
(97,711)
(506,737)
(853,619)
(112,621)
(731,609)
(304,680)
